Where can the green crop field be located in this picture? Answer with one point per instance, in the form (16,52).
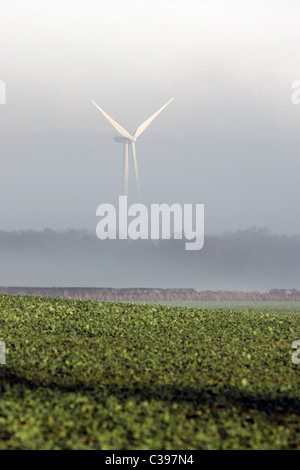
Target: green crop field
(90,375)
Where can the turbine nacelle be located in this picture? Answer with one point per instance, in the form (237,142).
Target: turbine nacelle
(124,140)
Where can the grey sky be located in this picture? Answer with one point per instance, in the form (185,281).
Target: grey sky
(229,140)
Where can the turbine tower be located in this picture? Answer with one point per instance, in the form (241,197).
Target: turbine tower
(129,141)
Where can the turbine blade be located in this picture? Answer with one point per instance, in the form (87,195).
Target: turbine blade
(136,169)
(117,126)
(145,124)
(125,170)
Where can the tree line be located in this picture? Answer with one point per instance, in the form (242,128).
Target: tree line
(154,295)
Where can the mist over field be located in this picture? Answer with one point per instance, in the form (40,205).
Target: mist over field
(244,260)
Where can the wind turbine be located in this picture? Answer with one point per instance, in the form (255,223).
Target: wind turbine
(129,141)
